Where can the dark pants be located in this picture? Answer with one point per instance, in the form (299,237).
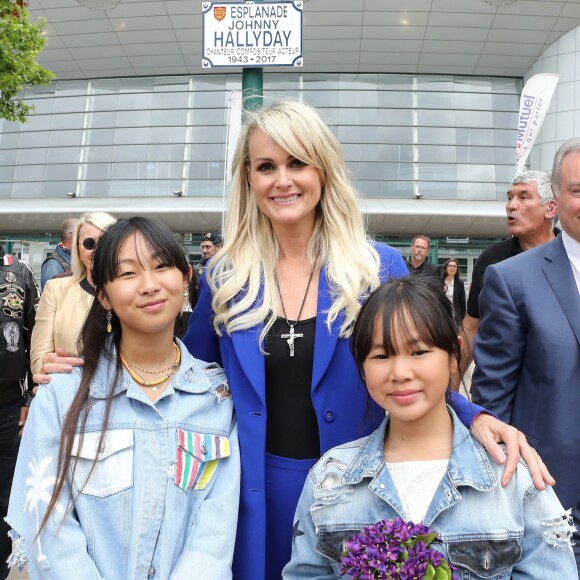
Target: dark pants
(9,443)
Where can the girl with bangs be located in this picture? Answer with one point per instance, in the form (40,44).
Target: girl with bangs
(422,465)
(276,307)
(129,467)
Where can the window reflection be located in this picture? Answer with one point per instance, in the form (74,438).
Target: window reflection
(150,136)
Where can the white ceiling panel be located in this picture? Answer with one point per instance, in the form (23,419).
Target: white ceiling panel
(159,48)
(389,46)
(160,22)
(65,66)
(447,32)
(460,20)
(386,58)
(72,14)
(142,36)
(188,21)
(407,5)
(36,14)
(394,32)
(512,49)
(58,3)
(396,18)
(100,39)
(435,36)
(314,45)
(469,6)
(452,47)
(534,8)
(175,60)
(181,7)
(524,22)
(511,35)
(565,24)
(333,18)
(83,26)
(495,60)
(108,51)
(56,55)
(571,10)
(346,58)
(134,9)
(96,64)
(449,59)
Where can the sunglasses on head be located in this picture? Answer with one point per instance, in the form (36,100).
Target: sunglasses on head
(89,243)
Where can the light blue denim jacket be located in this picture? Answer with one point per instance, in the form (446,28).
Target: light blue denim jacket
(486,531)
(162,500)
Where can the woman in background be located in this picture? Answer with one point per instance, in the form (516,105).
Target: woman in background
(454,288)
(65,302)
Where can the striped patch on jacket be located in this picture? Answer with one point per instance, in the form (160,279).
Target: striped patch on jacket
(197,458)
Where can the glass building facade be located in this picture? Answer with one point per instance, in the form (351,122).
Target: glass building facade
(447,137)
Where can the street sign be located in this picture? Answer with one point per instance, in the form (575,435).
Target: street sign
(251,34)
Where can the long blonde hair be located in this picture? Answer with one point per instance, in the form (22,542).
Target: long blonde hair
(99,219)
(247,261)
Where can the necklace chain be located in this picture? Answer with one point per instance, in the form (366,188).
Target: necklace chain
(292,336)
(155,384)
(303,299)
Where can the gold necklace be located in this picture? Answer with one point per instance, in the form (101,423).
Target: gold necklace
(155,384)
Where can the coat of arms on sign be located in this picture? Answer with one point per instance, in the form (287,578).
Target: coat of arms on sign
(219,12)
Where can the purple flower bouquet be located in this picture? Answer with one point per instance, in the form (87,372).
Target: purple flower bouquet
(394,549)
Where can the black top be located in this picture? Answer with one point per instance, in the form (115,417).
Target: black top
(84,284)
(458,299)
(18,300)
(493,255)
(425,269)
(292,426)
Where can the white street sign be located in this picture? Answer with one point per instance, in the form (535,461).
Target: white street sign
(250,34)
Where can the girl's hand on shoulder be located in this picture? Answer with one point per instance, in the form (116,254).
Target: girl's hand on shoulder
(490,431)
(60,361)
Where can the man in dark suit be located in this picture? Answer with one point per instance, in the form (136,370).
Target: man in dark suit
(527,351)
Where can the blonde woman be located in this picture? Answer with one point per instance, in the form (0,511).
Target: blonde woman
(276,308)
(65,302)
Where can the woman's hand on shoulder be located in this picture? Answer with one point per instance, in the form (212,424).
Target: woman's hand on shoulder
(60,361)
(490,431)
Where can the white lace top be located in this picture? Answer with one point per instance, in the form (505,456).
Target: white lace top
(449,291)
(416,483)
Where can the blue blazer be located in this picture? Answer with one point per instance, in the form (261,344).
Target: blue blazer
(338,395)
(527,354)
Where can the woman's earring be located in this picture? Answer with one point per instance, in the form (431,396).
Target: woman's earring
(109,318)
(185,304)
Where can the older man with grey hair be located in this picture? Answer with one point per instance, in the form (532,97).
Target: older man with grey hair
(531,211)
(527,351)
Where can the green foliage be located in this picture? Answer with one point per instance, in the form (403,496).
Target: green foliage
(20,42)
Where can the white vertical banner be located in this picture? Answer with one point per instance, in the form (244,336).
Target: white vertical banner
(234,129)
(534,103)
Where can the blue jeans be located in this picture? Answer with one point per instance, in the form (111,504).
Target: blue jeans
(9,444)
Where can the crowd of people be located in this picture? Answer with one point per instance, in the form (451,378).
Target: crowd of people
(141,457)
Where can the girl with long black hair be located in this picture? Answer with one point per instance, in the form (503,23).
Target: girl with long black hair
(129,467)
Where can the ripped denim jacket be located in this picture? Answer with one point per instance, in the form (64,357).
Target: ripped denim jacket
(485,530)
(160,502)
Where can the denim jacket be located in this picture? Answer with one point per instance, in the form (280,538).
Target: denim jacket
(485,530)
(162,499)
